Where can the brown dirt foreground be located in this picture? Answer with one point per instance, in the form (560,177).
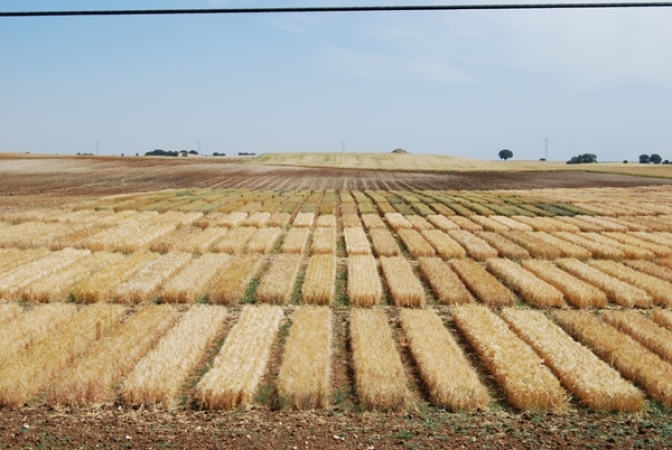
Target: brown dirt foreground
(338,429)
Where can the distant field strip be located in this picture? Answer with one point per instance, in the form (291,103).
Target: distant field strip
(451,379)
(238,368)
(304,381)
(158,377)
(379,374)
(592,380)
(526,382)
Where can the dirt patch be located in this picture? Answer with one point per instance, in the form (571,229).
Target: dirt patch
(75,177)
(252,429)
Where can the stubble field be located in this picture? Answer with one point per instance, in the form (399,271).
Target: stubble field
(271,317)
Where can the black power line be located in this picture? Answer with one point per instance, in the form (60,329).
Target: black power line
(331,9)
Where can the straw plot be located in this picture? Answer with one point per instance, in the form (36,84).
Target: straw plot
(258,219)
(319,283)
(663,317)
(581,224)
(442,223)
(356,242)
(528,286)
(57,286)
(232,219)
(264,240)
(235,240)
(295,240)
(447,373)
(417,245)
(364,286)
(231,284)
(622,293)
(465,224)
(511,223)
(490,224)
(327,221)
(650,268)
(280,220)
(158,377)
(527,383)
(352,220)
(383,242)
(598,385)
(535,247)
(476,247)
(626,355)
(93,378)
(630,251)
(657,249)
(659,290)
(398,222)
(324,241)
(645,331)
(30,327)
(405,289)
(199,242)
(577,292)
(304,220)
(371,221)
(567,249)
(419,223)
(191,283)
(9,312)
(277,284)
(504,247)
(12,258)
(445,246)
(304,381)
(597,249)
(241,363)
(379,374)
(145,285)
(445,284)
(486,287)
(100,286)
(32,369)
(13,281)
(607,225)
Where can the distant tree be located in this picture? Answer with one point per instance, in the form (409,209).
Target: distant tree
(667,161)
(505,154)
(585,158)
(655,158)
(193,152)
(625,161)
(644,159)
(218,154)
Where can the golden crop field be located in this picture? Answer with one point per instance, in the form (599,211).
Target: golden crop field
(535,300)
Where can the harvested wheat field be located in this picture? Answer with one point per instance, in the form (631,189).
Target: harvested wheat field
(332,307)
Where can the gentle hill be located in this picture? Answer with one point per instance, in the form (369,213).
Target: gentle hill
(440,163)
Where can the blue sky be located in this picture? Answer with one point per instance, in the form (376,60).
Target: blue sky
(464,83)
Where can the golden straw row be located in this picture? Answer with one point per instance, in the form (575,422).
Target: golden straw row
(32,369)
(230,286)
(277,284)
(484,286)
(92,379)
(319,284)
(364,286)
(447,373)
(159,376)
(577,292)
(356,242)
(405,289)
(504,246)
(379,375)
(304,381)
(630,358)
(445,284)
(191,283)
(620,292)
(659,290)
(526,284)
(598,385)
(145,284)
(238,368)
(476,247)
(527,383)
(643,330)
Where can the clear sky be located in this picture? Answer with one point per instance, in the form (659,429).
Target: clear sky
(464,83)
